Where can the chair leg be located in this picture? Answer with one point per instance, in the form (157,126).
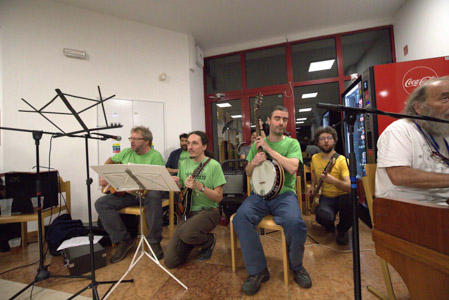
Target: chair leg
(285,257)
(388,285)
(233,243)
(24,231)
(387,279)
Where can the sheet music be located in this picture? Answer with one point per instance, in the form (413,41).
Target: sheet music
(153,177)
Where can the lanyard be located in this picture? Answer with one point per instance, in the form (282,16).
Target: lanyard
(430,139)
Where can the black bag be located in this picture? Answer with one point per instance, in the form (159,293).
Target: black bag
(63,228)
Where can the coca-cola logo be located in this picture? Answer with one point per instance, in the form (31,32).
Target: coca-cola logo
(416,77)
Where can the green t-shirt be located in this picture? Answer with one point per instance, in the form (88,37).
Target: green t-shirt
(183,156)
(288,148)
(211,176)
(152,157)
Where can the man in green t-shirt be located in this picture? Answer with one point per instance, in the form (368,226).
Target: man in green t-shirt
(284,207)
(207,193)
(109,205)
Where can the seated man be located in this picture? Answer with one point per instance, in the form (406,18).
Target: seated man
(207,193)
(178,155)
(413,155)
(284,207)
(335,188)
(109,205)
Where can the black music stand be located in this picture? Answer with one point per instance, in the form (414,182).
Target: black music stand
(42,271)
(140,178)
(85,133)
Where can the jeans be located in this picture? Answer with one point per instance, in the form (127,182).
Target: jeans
(109,205)
(286,213)
(328,208)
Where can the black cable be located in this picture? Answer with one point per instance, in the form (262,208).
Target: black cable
(19,267)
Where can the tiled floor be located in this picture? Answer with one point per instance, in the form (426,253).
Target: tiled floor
(329,265)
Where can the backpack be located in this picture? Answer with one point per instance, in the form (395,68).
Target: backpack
(63,228)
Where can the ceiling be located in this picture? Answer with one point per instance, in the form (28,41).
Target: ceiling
(218,25)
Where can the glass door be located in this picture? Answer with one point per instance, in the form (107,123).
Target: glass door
(227,129)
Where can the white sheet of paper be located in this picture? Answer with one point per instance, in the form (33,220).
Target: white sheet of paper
(152,177)
(78,241)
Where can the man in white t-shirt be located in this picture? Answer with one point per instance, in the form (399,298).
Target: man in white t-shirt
(413,155)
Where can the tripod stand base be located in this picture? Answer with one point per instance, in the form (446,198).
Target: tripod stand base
(135,260)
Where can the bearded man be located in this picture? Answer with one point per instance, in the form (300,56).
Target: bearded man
(413,155)
(335,188)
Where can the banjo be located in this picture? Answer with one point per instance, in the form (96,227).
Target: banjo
(267,179)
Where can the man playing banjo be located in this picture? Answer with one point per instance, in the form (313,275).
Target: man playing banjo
(284,207)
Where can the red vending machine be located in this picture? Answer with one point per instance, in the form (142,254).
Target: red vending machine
(387,87)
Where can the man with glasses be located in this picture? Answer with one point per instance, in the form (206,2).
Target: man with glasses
(413,155)
(335,188)
(108,206)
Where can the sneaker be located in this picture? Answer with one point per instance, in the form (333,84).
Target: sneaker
(342,238)
(157,249)
(121,251)
(330,228)
(252,284)
(205,254)
(302,278)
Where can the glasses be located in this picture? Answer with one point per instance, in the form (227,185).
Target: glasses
(439,157)
(135,139)
(329,138)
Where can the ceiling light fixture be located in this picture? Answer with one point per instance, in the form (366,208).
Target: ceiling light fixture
(74,53)
(309,95)
(321,65)
(226,104)
(301,119)
(236,116)
(305,109)
(300,122)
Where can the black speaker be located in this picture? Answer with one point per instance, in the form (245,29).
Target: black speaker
(21,186)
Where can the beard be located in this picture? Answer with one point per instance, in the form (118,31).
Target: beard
(184,147)
(434,128)
(327,149)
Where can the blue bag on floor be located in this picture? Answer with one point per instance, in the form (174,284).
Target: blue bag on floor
(63,228)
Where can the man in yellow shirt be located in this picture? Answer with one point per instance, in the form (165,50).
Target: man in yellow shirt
(335,188)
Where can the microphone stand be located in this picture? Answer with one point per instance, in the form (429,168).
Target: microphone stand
(350,119)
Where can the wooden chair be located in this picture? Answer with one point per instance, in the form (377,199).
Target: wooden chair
(30,217)
(369,185)
(307,184)
(267,222)
(135,210)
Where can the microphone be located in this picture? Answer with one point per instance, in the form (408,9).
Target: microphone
(108,136)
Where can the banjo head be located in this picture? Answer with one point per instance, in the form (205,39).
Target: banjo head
(264,178)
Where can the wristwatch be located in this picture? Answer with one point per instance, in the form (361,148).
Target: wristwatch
(203,188)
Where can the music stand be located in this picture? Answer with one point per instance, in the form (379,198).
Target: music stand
(138,178)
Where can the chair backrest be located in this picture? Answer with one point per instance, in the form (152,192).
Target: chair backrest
(369,186)
(298,189)
(65,187)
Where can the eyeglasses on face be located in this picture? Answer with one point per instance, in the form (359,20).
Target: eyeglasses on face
(134,139)
(329,138)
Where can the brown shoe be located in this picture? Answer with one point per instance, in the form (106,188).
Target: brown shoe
(121,251)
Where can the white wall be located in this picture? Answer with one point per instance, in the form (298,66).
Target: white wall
(422,25)
(197,99)
(125,58)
